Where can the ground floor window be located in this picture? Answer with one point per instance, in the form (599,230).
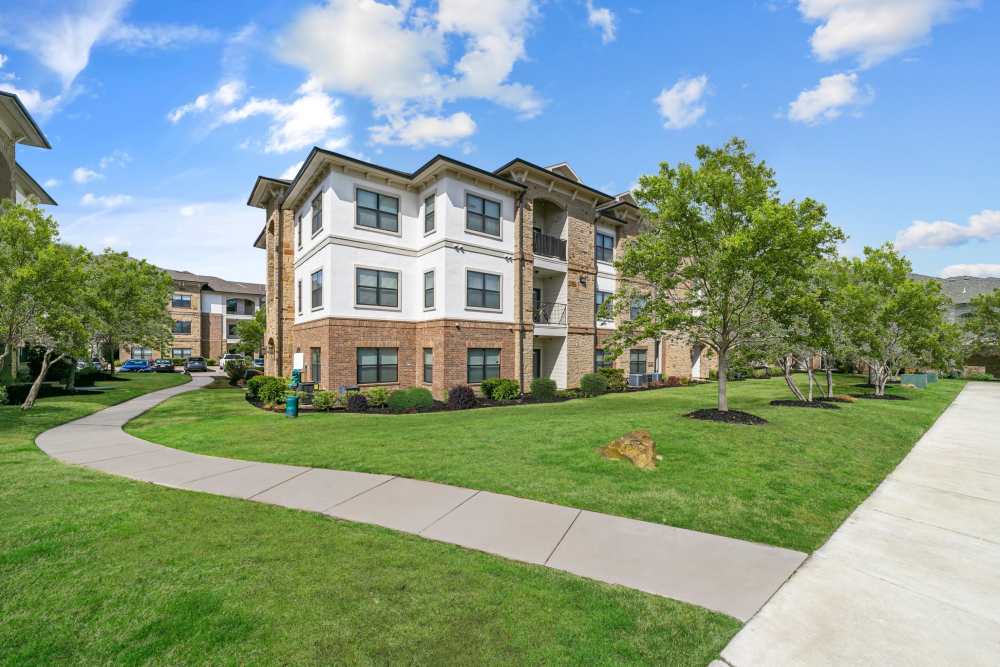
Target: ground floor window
(231,330)
(180,353)
(378,364)
(314,358)
(142,353)
(601,360)
(637,362)
(483,363)
(536,364)
(428,365)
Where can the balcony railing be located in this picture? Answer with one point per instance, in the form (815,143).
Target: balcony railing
(550,313)
(548,246)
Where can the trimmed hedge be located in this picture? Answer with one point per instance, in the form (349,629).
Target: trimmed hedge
(543,389)
(267,389)
(593,384)
(416,398)
(325,400)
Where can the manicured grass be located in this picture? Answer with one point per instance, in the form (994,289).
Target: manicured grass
(790,483)
(96,569)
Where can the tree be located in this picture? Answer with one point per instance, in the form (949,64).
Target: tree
(891,320)
(129,298)
(718,253)
(983,322)
(251,333)
(27,251)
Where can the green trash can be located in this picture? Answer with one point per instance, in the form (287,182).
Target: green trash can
(932,376)
(918,380)
(291,406)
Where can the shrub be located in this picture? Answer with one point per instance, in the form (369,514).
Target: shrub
(543,389)
(86,377)
(410,399)
(615,378)
(325,400)
(210,361)
(251,373)
(377,397)
(506,390)
(178,361)
(673,381)
(235,370)
(713,374)
(593,384)
(3,395)
(462,397)
(488,386)
(267,389)
(356,402)
(685,381)
(982,377)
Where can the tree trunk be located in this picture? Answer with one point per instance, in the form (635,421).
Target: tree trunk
(36,386)
(71,378)
(786,366)
(881,377)
(723,371)
(829,382)
(812,380)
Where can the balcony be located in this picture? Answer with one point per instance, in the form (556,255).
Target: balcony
(548,246)
(553,314)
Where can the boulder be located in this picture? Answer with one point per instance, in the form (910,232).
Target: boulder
(637,447)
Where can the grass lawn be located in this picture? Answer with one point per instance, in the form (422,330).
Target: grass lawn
(790,483)
(96,569)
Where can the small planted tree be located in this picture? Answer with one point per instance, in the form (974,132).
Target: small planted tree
(982,326)
(718,254)
(251,333)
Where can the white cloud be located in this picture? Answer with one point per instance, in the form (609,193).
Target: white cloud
(34,101)
(51,183)
(603,19)
(873,30)
(828,99)
(420,131)
(293,169)
(84,175)
(117,158)
(104,201)
(161,36)
(977,270)
(983,226)
(679,104)
(227,94)
(3,60)
(305,121)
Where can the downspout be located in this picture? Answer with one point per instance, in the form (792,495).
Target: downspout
(593,354)
(519,216)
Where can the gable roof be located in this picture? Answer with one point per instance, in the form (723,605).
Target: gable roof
(262,187)
(214,284)
(17,117)
(962,289)
(601,196)
(564,169)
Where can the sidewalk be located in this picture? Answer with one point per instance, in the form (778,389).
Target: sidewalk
(913,576)
(723,574)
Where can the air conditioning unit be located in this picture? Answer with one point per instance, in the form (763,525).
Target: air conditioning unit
(636,379)
(654,377)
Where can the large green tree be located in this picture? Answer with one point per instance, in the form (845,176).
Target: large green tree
(982,324)
(719,251)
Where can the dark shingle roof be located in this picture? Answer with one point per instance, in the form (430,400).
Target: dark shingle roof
(217,284)
(962,289)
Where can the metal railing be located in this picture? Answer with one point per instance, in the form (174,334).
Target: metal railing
(550,313)
(548,246)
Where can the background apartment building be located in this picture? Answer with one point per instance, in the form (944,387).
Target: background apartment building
(445,276)
(205,311)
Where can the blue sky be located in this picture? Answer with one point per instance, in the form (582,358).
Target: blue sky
(162,114)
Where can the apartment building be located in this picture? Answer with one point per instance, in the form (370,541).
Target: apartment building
(447,275)
(205,311)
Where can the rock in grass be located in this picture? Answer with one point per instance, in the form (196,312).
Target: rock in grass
(637,447)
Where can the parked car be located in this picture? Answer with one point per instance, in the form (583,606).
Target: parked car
(195,364)
(258,363)
(136,366)
(226,358)
(163,365)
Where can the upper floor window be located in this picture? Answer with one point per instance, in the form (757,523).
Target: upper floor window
(482,215)
(298,231)
(317,289)
(429,215)
(299,296)
(230,306)
(637,305)
(599,299)
(377,288)
(605,248)
(182,326)
(231,331)
(181,301)
(317,214)
(482,290)
(378,211)
(429,289)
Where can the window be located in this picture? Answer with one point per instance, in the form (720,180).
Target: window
(317,214)
(378,211)
(482,290)
(182,326)
(299,296)
(298,231)
(429,215)
(429,289)
(142,353)
(605,248)
(317,289)
(601,360)
(637,362)
(180,353)
(599,298)
(428,365)
(482,215)
(314,370)
(483,363)
(377,364)
(231,330)
(231,306)
(181,301)
(636,308)
(377,288)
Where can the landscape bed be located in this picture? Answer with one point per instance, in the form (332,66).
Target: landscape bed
(789,483)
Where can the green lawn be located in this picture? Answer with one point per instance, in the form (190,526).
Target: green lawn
(96,569)
(790,483)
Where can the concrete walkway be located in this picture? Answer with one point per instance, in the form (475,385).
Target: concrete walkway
(730,576)
(913,576)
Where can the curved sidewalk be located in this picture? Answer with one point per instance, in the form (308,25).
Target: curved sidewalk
(723,574)
(913,576)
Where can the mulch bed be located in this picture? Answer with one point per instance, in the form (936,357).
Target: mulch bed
(730,417)
(868,385)
(887,397)
(806,404)
(833,399)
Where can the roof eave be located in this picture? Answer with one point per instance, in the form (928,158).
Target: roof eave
(32,186)
(32,133)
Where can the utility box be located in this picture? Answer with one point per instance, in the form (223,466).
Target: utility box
(918,380)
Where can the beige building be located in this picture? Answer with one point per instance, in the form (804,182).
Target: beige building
(205,311)
(446,275)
